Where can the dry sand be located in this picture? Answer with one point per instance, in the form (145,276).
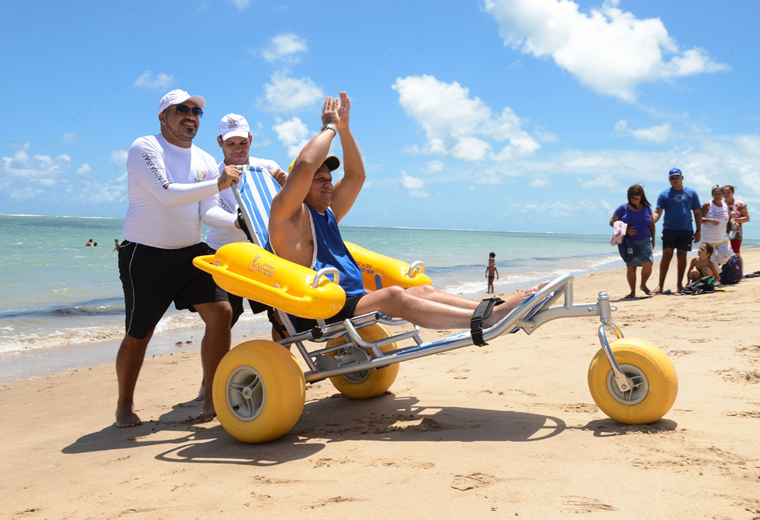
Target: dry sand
(504,431)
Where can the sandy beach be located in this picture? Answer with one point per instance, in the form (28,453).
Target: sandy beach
(508,430)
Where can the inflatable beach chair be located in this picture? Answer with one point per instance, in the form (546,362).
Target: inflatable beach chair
(259,386)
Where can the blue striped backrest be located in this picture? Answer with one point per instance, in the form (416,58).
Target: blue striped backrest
(256,190)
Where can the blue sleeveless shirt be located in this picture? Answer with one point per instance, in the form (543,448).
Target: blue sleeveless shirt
(332,252)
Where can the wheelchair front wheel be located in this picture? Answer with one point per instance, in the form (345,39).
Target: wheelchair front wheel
(653,377)
(259,391)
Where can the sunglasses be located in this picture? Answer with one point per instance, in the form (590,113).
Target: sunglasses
(636,194)
(184,109)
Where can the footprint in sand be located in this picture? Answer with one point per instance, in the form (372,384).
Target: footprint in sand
(473,481)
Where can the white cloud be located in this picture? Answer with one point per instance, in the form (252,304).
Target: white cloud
(240,4)
(287,94)
(159,83)
(70,137)
(39,178)
(433,167)
(34,172)
(605,181)
(84,172)
(119,158)
(653,134)
(293,134)
(539,183)
(609,50)
(414,185)
(285,47)
(459,125)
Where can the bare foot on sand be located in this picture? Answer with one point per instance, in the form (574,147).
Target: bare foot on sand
(657,290)
(645,290)
(127,419)
(629,296)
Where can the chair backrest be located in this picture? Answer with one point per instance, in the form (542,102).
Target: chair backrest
(254,193)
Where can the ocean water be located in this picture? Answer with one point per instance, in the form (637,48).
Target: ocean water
(61,304)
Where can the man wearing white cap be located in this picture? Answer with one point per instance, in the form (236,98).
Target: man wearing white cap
(170,181)
(235,141)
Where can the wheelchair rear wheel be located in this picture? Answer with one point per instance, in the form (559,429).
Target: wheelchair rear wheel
(364,384)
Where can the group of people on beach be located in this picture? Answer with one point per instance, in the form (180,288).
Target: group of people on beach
(174,186)
(718,225)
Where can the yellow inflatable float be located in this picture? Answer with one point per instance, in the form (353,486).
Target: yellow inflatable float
(250,271)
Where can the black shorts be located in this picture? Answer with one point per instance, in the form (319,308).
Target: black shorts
(302,324)
(238,308)
(152,278)
(677,239)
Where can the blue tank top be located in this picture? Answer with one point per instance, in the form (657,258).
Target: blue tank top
(332,252)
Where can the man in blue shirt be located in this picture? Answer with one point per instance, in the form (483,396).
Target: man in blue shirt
(679,202)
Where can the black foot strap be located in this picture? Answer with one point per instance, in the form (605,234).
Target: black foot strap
(482,312)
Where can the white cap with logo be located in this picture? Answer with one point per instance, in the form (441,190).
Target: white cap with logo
(233,125)
(175,97)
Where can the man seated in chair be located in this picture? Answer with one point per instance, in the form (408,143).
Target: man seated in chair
(303,228)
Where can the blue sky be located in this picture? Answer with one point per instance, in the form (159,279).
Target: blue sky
(518,115)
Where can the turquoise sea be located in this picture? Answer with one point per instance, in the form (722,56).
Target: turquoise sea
(61,304)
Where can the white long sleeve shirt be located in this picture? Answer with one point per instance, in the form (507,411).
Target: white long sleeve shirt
(166,185)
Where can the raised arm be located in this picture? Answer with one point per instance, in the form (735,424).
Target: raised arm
(291,197)
(347,189)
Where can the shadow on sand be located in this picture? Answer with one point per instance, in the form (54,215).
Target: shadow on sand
(334,419)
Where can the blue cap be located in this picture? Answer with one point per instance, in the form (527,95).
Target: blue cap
(675,172)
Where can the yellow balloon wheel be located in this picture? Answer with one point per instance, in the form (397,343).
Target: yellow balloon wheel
(654,382)
(259,391)
(366,383)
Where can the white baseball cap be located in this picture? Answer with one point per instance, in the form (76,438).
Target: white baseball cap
(233,125)
(175,97)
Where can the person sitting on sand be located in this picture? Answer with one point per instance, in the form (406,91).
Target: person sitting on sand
(491,270)
(702,265)
(303,228)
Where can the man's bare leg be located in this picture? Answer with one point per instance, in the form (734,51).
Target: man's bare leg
(215,344)
(129,360)
(667,255)
(432,314)
(428,292)
(681,263)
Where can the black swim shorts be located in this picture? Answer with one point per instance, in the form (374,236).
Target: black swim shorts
(677,239)
(303,324)
(152,278)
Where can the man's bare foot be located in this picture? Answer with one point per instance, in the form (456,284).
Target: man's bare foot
(629,296)
(127,419)
(645,290)
(208,408)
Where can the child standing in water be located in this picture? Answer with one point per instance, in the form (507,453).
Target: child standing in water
(491,271)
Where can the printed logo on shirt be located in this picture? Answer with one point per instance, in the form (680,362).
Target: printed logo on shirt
(199,176)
